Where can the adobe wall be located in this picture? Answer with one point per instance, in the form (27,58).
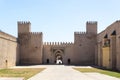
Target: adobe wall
(84,48)
(114,44)
(30,48)
(8,50)
(50,48)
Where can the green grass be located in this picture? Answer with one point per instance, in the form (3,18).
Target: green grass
(20,72)
(107,72)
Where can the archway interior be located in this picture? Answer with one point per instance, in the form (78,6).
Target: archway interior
(58,58)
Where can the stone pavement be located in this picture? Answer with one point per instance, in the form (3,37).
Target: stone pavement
(60,72)
(8,78)
(99,76)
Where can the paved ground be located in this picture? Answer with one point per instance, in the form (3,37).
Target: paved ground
(98,76)
(60,72)
(6,78)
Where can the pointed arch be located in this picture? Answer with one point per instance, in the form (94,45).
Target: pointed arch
(113,33)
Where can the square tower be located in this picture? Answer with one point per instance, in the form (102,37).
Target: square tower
(91,27)
(24,27)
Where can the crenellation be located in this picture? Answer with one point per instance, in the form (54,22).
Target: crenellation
(44,43)
(66,47)
(91,27)
(79,33)
(66,43)
(24,27)
(23,22)
(58,43)
(47,43)
(91,22)
(35,33)
(87,48)
(50,43)
(118,21)
(69,43)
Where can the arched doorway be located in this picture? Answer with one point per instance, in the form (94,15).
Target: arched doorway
(69,61)
(58,59)
(47,61)
(58,56)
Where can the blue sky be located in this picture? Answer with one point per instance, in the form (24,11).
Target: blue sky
(57,19)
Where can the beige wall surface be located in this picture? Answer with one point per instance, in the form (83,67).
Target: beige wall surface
(66,51)
(24,27)
(8,50)
(114,44)
(30,48)
(84,49)
(106,59)
(87,48)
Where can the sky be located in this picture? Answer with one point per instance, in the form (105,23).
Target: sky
(57,19)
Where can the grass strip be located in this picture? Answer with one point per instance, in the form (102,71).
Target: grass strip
(106,72)
(20,72)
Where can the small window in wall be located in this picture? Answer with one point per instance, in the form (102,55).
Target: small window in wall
(113,33)
(55,61)
(6,62)
(106,41)
(47,61)
(69,61)
(106,36)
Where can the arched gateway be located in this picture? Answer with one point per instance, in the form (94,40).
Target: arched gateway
(32,50)
(58,56)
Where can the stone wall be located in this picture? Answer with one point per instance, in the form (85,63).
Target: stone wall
(106,57)
(8,50)
(30,48)
(24,27)
(30,44)
(65,49)
(91,27)
(87,48)
(112,34)
(85,45)
(84,48)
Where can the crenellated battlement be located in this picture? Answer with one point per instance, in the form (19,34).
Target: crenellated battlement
(24,22)
(117,20)
(58,43)
(80,33)
(35,33)
(91,22)
(32,33)
(91,27)
(25,38)
(24,26)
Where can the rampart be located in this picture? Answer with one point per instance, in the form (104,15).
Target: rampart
(58,43)
(6,36)
(8,50)
(80,33)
